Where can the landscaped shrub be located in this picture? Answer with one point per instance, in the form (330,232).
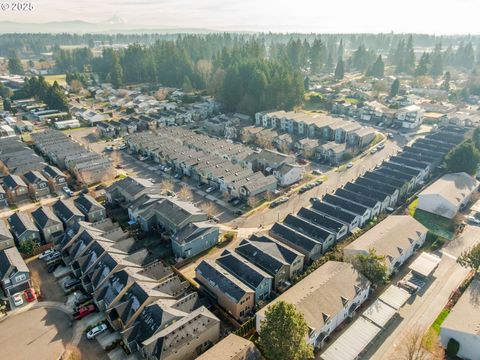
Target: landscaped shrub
(452,347)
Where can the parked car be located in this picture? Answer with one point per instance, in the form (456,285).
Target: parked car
(238,212)
(52,256)
(210,189)
(30,295)
(407,285)
(70,283)
(236,202)
(18,299)
(278,202)
(122,146)
(318,183)
(390,135)
(215,219)
(67,191)
(473,220)
(46,253)
(52,267)
(373,151)
(316,172)
(97,330)
(83,299)
(303,189)
(109,148)
(381,146)
(314,199)
(349,165)
(84,311)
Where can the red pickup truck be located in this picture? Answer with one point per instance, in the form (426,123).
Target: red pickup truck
(84,311)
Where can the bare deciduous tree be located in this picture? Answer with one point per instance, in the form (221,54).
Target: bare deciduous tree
(72,353)
(166,186)
(185,193)
(209,208)
(413,347)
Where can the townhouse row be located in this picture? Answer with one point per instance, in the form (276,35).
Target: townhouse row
(86,166)
(217,163)
(46,224)
(157,314)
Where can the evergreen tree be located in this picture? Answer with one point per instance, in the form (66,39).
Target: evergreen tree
(446,81)
(116,73)
(395,87)
(378,68)
(423,65)
(329,62)
(340,49)
(399,57)
(316,56)
(409,60)
(463,158)
(15,65)
(471,258)
(283,333)
(373,266)
(339,70)
(437,62)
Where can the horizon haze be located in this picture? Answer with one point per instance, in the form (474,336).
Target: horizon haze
(429,16)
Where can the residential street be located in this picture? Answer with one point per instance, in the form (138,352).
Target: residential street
(425,307)
(335,179)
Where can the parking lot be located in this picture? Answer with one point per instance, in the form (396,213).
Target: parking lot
(40,334)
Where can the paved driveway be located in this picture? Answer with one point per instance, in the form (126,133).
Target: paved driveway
(40,334)
(49,287)
(426,306)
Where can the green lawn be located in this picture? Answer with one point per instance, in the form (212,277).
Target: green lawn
(412,207)
(379,137)
(436,224)
(439,320)
(352,101)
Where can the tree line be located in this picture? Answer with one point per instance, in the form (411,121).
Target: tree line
(52,95)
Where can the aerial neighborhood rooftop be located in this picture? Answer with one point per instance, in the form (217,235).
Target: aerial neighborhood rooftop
(237,196)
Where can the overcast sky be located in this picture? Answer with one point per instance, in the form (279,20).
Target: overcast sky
(426,16)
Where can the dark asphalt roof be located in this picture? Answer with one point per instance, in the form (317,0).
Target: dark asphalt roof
(242,269)
(219,277)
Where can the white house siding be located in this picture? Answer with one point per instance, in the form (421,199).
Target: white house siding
(469,343)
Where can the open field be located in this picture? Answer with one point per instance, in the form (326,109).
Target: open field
(60,79)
